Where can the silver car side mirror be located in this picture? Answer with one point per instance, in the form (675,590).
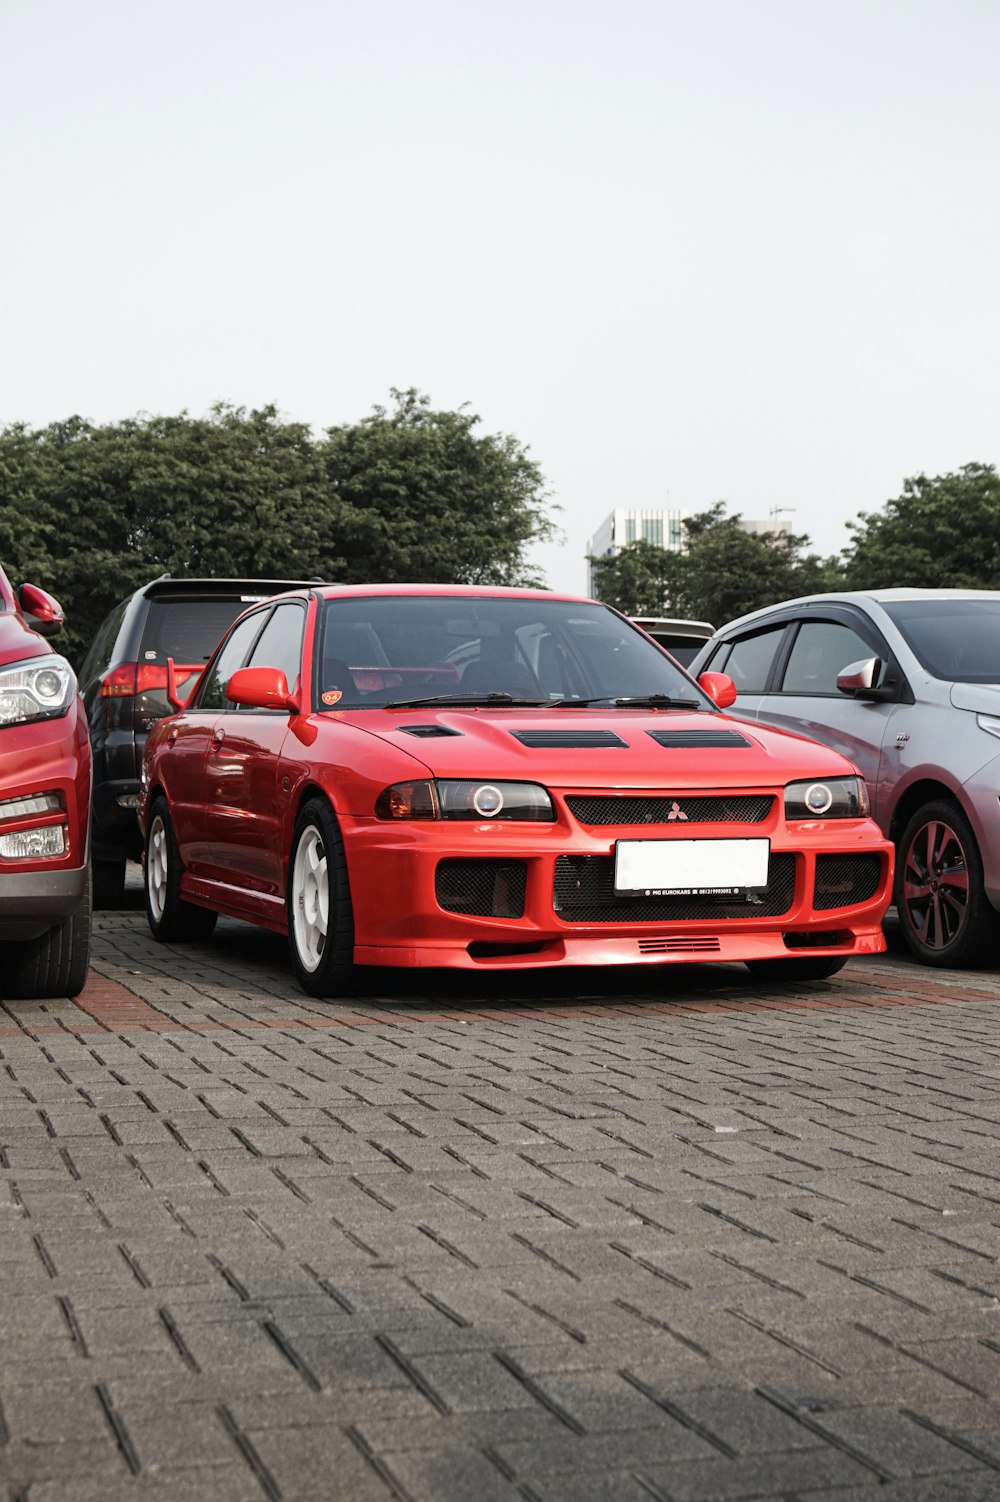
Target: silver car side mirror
(859,677)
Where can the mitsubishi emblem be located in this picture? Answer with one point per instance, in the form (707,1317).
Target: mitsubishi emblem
(676,814)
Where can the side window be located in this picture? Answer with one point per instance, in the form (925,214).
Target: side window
(749,662)
(280,643)
(822,650)
(97,658)
(231,655)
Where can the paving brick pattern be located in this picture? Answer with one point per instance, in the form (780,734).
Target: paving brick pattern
(655,1235)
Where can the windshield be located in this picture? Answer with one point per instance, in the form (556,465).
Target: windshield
(957,640)
(380,650)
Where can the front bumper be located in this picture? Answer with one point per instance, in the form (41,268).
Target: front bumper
(31,902)
(399,919)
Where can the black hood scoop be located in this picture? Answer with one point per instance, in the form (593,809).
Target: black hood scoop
(567,740)
(428,732)
(699,740)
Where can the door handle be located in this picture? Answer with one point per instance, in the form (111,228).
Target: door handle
(218,736)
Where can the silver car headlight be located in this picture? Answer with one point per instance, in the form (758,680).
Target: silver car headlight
(43,688)
(827,798)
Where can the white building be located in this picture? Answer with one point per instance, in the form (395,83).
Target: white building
(659,525)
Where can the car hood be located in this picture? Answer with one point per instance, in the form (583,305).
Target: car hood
(17,642)
(981,698)
(625,748)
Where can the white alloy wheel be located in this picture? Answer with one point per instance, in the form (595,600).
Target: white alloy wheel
(157,872)
(310,898)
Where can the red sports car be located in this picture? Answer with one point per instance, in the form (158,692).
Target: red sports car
(496,778)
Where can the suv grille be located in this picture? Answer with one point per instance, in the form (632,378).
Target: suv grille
(481,888)
(742,809)
(843,880)
(584,892)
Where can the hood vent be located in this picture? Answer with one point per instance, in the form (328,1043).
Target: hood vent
(565,740)
(698,740)
(427,732)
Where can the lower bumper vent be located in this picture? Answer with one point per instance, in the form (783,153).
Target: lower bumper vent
(843,880)
(708,945)
(481,888)
(584,892)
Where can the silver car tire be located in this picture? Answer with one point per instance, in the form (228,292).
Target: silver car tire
(940,896)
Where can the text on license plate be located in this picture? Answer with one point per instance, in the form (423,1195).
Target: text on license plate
(682,868)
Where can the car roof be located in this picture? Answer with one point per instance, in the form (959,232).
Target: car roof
(863,597)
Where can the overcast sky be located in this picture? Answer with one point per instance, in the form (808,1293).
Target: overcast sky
(686,251)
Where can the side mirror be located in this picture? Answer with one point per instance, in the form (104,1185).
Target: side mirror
(261,688)
(42,613)
(719,687)
(859,679)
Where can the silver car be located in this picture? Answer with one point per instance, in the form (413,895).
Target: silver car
(906,683)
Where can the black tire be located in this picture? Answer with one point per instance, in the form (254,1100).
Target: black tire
(944,913)
(797,968)
(322,951)
(109,883)
(171,919)
(55,964)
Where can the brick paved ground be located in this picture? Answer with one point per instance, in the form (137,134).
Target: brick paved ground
(541,1240)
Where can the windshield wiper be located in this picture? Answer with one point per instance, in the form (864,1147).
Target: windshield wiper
(657,701)
(468,701)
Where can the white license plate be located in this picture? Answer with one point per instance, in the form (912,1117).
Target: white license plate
(690,868)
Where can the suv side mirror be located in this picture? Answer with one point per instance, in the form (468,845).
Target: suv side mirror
(42,613)
(862,680)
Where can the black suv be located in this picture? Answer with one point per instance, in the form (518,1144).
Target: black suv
(123,680)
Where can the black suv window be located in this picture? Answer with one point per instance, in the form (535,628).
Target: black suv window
(822,650)
(232,655)
(186,629)
(749,661)
(280,644)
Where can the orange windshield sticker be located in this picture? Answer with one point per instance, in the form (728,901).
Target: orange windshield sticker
(331,696)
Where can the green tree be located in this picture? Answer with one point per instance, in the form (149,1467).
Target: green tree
(941,532)
(426,499)
(640,579)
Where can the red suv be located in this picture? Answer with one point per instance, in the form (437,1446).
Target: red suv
(44,805)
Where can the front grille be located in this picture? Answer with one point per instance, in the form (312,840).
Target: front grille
(643,809)
(481,888)
(843,880)
(584,892)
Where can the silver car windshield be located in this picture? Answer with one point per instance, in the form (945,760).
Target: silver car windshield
(380,650)
(956,640)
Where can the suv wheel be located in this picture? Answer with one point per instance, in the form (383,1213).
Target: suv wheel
(821,967)
(170,917)
(320,921)
(55,964)
(940,899)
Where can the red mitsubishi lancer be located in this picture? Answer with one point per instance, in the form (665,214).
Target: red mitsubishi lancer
(496,779)
(44,805)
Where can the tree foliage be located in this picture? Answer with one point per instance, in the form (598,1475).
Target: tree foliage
(90,512)
(940,533)
(722,572)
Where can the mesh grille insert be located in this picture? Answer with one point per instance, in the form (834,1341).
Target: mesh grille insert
(481,888)
(584,892)
(738,809)
(842,880)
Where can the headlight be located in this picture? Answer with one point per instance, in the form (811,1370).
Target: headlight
(827,798)
(41,689)
(465,800)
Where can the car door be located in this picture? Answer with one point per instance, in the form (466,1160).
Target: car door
(750,660)
(805,699)
(190,740)
(245,807)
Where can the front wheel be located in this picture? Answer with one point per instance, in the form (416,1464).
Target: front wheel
(320,920)
(170,917)
(55,964)
(940,896)
(797,968)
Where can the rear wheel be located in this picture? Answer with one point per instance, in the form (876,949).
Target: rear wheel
(797,968)
(55,964)
(941,901)
(320,920)
(109,883)
(170,917)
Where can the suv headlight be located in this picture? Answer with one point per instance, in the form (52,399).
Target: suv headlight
(465,800)
(42,688)
(827,798)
